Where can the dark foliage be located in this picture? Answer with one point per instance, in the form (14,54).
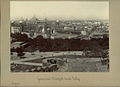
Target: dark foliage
(42,44)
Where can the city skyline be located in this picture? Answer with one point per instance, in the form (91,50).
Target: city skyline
(62,10)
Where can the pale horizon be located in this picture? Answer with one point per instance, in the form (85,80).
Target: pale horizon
(63,10)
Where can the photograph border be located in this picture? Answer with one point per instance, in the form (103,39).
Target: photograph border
(87,79)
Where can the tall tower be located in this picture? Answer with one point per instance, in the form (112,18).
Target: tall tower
(57,24)
(21,26)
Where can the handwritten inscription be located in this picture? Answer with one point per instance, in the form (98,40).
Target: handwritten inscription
(72,78)
(53,78)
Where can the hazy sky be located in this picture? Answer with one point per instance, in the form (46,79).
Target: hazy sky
(60,9)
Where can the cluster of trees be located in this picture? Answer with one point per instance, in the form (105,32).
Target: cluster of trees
(42,44)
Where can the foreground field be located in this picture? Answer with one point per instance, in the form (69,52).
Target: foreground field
(74,62)
(86,65)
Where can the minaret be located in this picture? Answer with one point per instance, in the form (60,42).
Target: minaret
(45,26)
(21,26)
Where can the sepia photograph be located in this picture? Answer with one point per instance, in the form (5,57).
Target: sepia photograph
(59,36)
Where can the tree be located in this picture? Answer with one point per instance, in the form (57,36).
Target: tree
(19,51)
(93,49)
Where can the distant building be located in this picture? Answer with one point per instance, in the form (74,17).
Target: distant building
(83,32)
(52,37)
(68,28)
(15,29)
(99,35)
